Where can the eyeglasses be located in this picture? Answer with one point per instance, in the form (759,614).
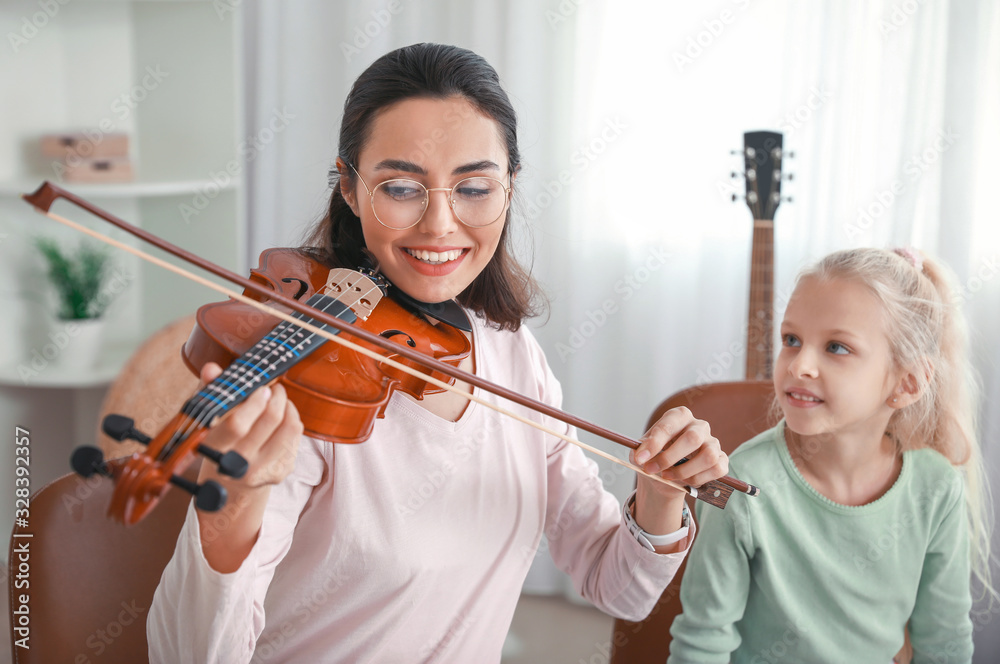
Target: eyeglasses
(400,203)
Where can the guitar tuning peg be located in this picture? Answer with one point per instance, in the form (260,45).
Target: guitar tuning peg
(121,428)
(740,152)
(208,497)
(752,197)
(231,464)
(738,198)
(735,174)
(87,461)
(790,154)
(790,176)
(787,199)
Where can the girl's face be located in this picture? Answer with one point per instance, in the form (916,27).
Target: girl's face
(834,374)
(437,142)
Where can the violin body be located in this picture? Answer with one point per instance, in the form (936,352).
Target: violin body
(339,393)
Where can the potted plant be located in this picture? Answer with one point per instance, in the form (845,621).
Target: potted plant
(79,277)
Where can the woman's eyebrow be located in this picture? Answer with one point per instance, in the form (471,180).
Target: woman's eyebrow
(484,165)
(400,165)
(410,167)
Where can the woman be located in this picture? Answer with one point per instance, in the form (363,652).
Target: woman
(413,545)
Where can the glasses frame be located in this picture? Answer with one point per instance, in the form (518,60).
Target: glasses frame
(427,198)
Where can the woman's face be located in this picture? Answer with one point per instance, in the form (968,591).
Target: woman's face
(437,142)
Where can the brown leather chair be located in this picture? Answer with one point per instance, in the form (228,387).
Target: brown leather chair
(737,411)
(92,579)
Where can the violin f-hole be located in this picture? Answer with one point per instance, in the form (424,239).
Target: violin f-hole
(389,334)
(303,286)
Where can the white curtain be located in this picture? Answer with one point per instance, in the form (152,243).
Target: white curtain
(628,113)
(893,111)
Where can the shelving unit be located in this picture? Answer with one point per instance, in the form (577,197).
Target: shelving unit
(169,74)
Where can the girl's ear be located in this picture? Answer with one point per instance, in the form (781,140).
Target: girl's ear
(345,190)
(910,387)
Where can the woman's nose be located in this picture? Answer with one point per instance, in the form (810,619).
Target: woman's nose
(439,218)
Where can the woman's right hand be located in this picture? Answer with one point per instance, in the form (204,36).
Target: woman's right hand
(265,429)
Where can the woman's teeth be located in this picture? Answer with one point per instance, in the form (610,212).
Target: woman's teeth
(433,257)
(803,397)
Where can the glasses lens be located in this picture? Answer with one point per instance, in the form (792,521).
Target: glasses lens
(479,201)
(399,203)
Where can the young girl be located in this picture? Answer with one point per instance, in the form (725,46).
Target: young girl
(412,546)
(862,530)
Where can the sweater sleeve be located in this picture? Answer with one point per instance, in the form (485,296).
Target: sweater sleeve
(200,615)
(940,627)
(715,587)
(586,531)
(589,540)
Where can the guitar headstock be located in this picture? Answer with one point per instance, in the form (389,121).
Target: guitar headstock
(763,158)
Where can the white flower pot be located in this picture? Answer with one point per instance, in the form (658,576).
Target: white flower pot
(75,344)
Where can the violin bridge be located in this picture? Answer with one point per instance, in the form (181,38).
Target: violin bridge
(354,290)
(715,493)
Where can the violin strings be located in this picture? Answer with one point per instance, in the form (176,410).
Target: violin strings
(358,348)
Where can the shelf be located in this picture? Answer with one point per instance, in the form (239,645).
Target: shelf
(108,366)
(136,189)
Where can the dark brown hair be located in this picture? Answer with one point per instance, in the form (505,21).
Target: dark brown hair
(504,292)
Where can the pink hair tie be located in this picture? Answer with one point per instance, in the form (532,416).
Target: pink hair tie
(913,256)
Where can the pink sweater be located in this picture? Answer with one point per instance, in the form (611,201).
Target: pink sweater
(412,546)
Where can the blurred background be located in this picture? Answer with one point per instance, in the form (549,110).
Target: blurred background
(214,124)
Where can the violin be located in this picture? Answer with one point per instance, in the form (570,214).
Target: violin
(338,393)
(289,349)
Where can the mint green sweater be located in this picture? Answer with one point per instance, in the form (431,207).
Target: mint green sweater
(791,576)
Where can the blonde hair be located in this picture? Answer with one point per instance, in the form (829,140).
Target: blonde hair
(927,336)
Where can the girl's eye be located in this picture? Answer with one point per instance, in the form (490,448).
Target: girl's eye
(837,349)
(790,340)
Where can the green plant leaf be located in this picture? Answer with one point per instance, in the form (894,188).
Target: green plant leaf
(78,278)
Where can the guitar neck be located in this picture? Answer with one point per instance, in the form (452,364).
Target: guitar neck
(760,318)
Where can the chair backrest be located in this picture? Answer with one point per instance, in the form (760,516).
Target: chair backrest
(91,579)
(737,412)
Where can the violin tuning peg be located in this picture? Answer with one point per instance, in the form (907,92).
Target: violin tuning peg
(208,497)
(231,464)
(88,461)
(121,428)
